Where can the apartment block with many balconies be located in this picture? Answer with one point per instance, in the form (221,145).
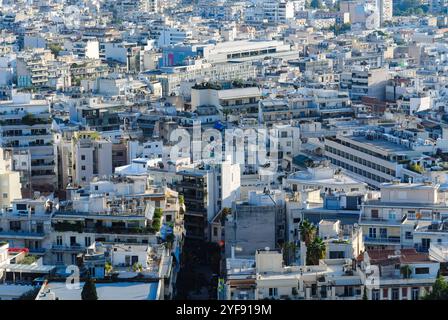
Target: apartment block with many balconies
(27,140)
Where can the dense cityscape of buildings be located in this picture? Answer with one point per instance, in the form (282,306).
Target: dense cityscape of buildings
(223,149)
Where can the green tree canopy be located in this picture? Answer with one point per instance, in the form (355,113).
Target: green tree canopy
(307,232)
(315,250)
(439,290)
(89,290)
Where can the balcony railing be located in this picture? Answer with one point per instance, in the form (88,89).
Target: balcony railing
(366,218)
(72,247)
(382,239)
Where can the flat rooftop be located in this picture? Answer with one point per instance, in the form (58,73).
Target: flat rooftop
(106,291)
(380,144)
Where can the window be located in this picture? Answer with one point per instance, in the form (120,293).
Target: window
(415,293)
(385,293)
(372,232)
(337,255)
(374,213)
(408,235)
(83,157)
(383,233)
(59,257)
(421,270)
(21,206)
(5,196)
(348,291)
(87,241)
(395,294)
(392,215)
(215,231)
(273,292)
(59,240)
(83,168)
(404,293)
(15,225)
(375,294)
(426,243)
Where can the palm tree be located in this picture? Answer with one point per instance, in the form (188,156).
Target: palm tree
(289,250)
(315,250)
(307,232)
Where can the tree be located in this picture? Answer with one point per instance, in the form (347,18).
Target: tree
(416,168)
(307,232)
(89,290)
(181,199)
(289,250)
(364,295)
(156,224)
(158,212)
(406,271)
(108,267)
(137,267)
(316,4)
(315,250)
(55,49)
(439,290)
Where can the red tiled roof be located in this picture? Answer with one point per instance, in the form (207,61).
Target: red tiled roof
(388,256)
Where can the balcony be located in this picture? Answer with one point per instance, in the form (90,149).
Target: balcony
(368,220)
(20,234)
(382,240)
(37,251)
(98,257)
(73,247)
(120,230)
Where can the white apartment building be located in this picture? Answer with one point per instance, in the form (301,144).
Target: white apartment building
(88,47)
(206,191)
(27,141)
(397,275)
(231,100)
(332,279)
(147,150)
(385,8)
(271,11)
(32,68)
(117,211)
(91,156)
(27,224)
(288,144)
(172,77)
(365,82)
(403,211)
(10,186)
(126,53)
(170,36)
(339,245)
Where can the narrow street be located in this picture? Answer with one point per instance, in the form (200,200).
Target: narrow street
(198,275)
